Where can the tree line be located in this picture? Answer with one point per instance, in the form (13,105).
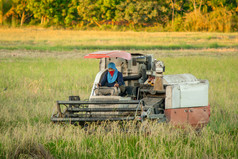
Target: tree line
(158,15)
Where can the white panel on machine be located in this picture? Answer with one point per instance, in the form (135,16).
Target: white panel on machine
(176,96)
(184,91)
(180,78)
(194,95)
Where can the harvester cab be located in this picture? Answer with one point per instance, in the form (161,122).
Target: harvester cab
(179,99)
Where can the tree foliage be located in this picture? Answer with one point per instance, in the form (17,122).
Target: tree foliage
(172,15)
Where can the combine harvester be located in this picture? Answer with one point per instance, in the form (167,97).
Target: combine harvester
(179,99)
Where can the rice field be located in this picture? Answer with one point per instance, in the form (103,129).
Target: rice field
(68,40)
(38,67)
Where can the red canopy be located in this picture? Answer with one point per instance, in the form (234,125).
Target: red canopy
(108,54)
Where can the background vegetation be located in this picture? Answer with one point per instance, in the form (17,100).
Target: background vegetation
(68,40)
(148,15)
(33,78)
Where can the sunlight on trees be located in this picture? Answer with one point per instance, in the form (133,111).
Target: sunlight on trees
(161,15)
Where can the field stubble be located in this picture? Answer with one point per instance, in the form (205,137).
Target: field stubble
(31,82)
(68,40)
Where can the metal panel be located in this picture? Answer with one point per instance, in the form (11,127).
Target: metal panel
(177,116)
(100,102)
(172,99)
(104,109)
(91,119)
(179,78)
(102,64)
(185,95)
(176,96)
(196,117)
(168,99)
(96,81)
(199,116)
(193,95)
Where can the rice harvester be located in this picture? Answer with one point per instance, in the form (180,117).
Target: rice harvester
(150,95)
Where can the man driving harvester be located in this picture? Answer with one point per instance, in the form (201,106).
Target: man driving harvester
(113,78)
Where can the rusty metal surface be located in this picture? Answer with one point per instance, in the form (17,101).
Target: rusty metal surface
(196,116)
(177,116)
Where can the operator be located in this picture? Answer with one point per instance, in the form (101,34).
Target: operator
(113,78)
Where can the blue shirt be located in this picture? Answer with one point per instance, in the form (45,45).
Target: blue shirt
(119,80)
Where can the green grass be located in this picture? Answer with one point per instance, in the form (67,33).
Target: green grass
(30,86)
(113,47)
(31,81)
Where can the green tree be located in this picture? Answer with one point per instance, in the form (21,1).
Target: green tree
(9,13)
(72,16)
(176,6)
(59,12)
(1,12)
(21,10)
(138,12)
(176,15)
(108,9)
(98,11)
(42,9)
(90,12)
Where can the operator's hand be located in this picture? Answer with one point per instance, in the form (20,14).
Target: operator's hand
(116,85)
(99,84)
